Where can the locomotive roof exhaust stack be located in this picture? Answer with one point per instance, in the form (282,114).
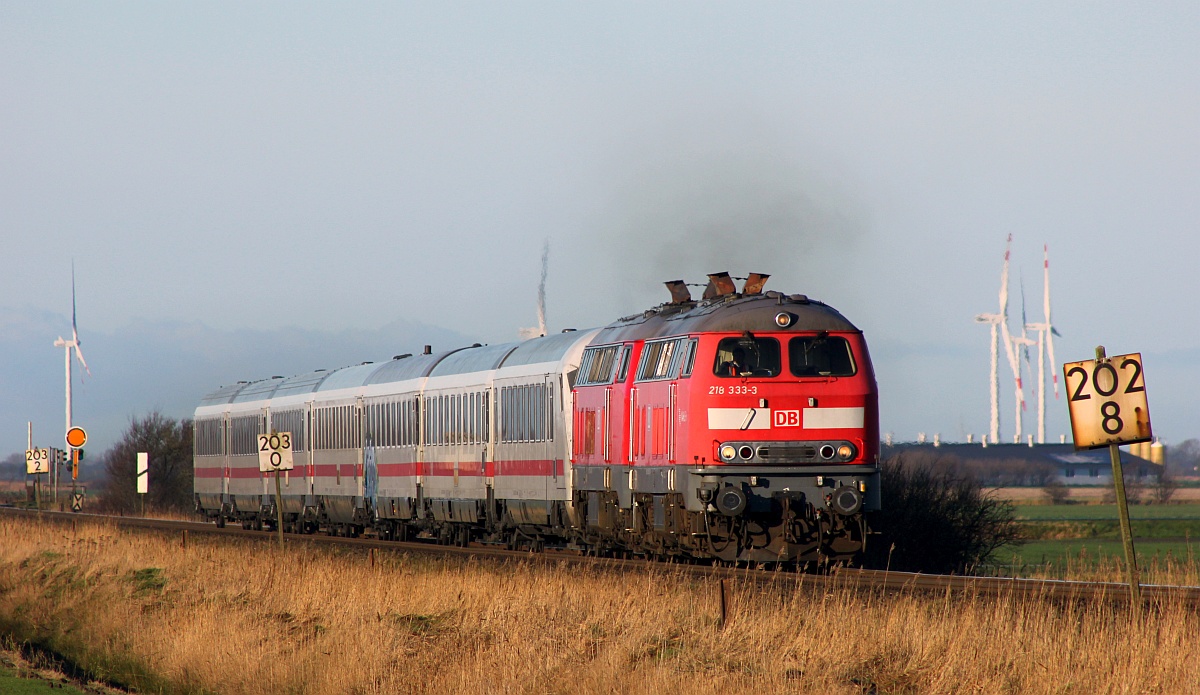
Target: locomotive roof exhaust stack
(679,291)
(754,283)
(719,285)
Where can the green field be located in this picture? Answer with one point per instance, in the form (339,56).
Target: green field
(1091,551)
(1091,512)
(1072,539)
(11,684)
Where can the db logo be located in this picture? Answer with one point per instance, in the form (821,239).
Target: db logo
(786,418)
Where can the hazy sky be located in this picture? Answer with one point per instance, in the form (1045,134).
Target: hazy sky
(336,167)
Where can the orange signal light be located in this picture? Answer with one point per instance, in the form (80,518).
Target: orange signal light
(76,437)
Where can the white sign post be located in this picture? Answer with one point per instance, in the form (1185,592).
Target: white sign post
(275,454)
(1108,408)
(143,477)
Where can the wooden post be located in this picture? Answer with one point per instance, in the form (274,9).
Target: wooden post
(279,508)
(1135,589)
(372,554)
(1114,453)
(183,541)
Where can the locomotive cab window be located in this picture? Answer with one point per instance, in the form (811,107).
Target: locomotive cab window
(747,356)
(820,356)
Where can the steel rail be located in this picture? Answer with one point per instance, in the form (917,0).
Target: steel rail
(840,578)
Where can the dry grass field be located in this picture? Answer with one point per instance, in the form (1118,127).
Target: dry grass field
(244,617)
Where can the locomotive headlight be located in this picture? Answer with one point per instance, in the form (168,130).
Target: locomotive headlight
(846,452)
(728,452)
(784,319)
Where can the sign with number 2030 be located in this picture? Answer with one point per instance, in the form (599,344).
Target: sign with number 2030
(275,452)
(1107,399)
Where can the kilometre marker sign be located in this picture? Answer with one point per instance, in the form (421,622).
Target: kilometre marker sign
(1107,399)
(275,452)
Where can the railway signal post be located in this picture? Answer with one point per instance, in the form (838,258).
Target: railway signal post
(143,477)
(275,454)
(1108,407)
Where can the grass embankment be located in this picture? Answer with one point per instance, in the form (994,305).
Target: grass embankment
(243,617)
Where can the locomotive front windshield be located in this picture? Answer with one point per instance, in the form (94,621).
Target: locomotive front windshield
(745,356)
(808,356)
(820,356)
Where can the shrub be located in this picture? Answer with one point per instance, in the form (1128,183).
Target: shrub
(937,520)
(169,444)
(1056,492)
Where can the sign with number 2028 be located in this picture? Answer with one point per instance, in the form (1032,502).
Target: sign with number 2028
(1107,399)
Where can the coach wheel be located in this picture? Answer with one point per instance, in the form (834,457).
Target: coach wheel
(220,521)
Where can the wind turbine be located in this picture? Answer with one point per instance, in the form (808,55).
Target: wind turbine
(1021,349)
(70,345)
(1046,332)
(1000,320)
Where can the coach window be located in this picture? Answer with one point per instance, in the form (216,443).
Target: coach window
(747,356)
(820,355)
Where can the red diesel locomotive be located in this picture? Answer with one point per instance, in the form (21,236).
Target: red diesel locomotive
(742,426)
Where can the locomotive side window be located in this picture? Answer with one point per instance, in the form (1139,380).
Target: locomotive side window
(597,365)
(747,356)
(820,356)
(689,359)
(660,359)
(624,370)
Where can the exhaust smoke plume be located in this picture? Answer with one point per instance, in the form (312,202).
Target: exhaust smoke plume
(542,287)
(751,205)
(540,330)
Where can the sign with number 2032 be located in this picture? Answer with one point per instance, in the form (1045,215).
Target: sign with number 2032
(1107,399)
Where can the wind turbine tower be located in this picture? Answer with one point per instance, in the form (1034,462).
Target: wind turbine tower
(70,345)
(1045,345)
(998,322)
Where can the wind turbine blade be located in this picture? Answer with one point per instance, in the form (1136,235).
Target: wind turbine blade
(79,354)
(1046,284)
(1046,311)
(1024,321)
(1004,281)
(74,328)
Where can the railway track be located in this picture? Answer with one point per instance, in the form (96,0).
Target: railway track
(841,578)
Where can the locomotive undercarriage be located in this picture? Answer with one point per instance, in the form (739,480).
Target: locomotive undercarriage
(801,517)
